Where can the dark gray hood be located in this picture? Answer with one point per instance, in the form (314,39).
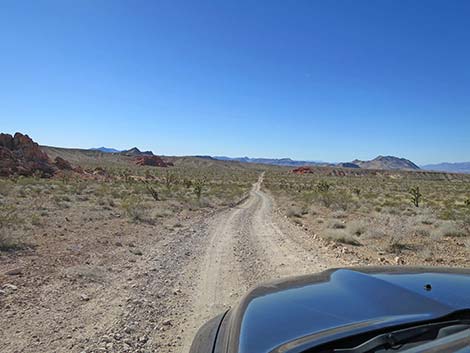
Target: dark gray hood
(290,315)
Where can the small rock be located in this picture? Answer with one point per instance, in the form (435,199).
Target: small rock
(167,322)
(399,260)
(10,286)
(84,297)
(14,272)
(109,346)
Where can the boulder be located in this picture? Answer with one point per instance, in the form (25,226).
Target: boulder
(62,164)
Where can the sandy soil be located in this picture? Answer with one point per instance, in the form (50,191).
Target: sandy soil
(147,288)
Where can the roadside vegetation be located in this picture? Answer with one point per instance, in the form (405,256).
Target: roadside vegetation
(399,217)
(148,195)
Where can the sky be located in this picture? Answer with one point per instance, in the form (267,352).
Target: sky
(329,80)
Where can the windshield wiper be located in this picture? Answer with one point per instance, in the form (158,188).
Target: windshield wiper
(399,337)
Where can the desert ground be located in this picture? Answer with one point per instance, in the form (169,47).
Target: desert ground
(127,258)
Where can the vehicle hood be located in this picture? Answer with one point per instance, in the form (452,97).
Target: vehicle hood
(287,316)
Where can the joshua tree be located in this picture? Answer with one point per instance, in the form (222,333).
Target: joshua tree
(126,173)
(198,187)
(170,179)
(187,183)
(323,186)
(152,191)
(415,195)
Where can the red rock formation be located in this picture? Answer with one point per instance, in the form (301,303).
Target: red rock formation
(154,161)
(20,155)
(302,170)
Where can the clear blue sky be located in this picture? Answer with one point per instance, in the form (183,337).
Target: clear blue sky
(319,80)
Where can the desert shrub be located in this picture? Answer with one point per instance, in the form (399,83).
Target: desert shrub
(135,209)
(448,213)
(339,215)
(334,224)
(396,246)
(8,220)
(340,236)
(8,242)
(356,228)
(374,233)
(5,187)
(36,220)
(294,211)
(448,229)
(421,231)
(425,219)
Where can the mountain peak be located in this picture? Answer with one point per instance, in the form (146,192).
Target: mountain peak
(387,162)
(134,151)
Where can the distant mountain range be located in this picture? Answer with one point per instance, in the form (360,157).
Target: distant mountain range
(105,149)
(272,161)
(133,152)
(463,167)
(380,162)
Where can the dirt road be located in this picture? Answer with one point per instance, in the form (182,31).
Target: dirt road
(247,245)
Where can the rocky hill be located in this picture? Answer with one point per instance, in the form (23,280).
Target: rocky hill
(386,163)
(20,155)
